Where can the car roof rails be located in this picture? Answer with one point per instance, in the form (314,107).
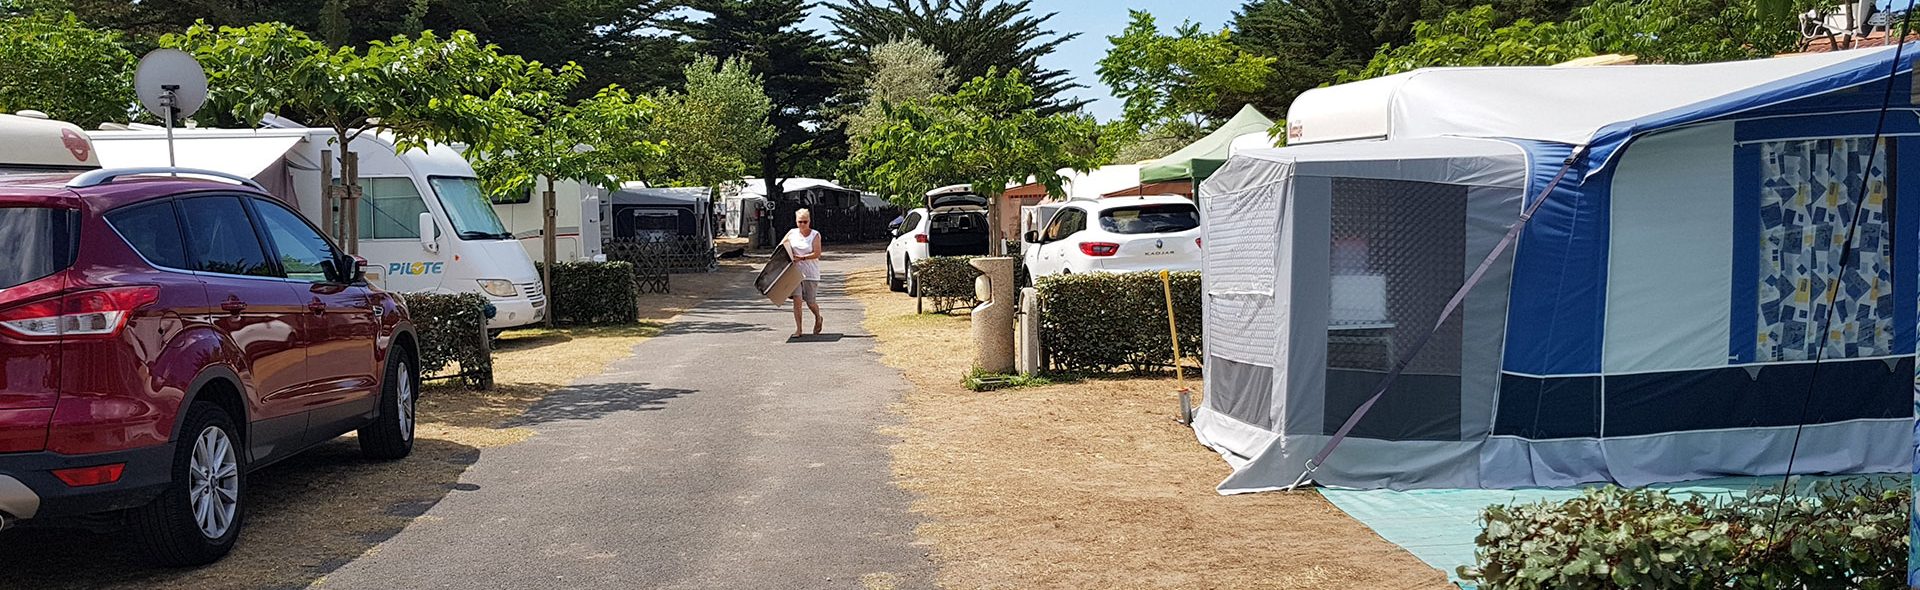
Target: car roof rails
(108,175)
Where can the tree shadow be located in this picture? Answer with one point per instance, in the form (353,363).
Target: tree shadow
(306,517)
(699,327)
(589,401)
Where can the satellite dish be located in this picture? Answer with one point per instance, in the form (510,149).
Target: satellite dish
(170,77)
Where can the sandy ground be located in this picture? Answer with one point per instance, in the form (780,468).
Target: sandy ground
(1093,485)
(319,510)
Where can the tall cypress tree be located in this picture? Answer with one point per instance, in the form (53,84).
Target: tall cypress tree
(801,73)
(975,35)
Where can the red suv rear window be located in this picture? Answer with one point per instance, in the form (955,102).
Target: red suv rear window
(41,240)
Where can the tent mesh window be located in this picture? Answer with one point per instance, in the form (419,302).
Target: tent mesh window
(1398,255)
(1810,191)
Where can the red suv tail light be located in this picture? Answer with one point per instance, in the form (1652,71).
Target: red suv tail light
(922,238)
(97,313)
(1099,248)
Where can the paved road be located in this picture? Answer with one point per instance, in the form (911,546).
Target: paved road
(717,456)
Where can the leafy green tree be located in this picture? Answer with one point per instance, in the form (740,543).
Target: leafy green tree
(904,72)
(987,134)
(975,36)
(800,71)
(1472,38)
(1688,31)
(615,41)
(715,130)
(1171,83)
(52,63)
(419,89)
(596,142)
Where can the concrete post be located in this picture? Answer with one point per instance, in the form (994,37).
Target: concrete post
(993,318)
(1029,360)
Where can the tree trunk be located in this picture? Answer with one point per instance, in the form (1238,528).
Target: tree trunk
(350,196)
(996,244)
(547,244)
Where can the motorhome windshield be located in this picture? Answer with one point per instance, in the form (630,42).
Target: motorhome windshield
(467,207)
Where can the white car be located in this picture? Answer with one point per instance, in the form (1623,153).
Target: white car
(953,224)
(1116,234)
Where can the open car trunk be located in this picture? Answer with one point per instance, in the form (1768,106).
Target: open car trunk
(958,225)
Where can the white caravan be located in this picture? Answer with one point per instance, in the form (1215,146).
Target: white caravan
(30,144)
(576,221)
(424,223)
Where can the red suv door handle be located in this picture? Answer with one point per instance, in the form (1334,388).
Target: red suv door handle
(317,306)
(234,305)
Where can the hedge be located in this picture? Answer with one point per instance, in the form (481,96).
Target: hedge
(947,280)
(453,330)
(1103,322)
(1840,535)
(586,292)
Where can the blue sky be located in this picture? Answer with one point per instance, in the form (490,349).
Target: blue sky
(1097,19)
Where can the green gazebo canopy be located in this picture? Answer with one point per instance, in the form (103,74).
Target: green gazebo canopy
(1198,161)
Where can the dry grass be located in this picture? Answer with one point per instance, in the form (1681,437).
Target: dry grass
(1093,485)
(323,508)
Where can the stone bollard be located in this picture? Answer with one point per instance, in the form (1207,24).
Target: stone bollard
(993,318)
(1028,335)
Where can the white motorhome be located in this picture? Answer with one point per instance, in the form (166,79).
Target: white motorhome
(35,144)
(424,224)
(576,221)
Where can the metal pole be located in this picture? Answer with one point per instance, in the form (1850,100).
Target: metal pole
(168,99)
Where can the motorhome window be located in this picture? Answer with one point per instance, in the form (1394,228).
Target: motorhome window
(221,237)
(468,208)
(40,240)
(390,209)
(153,230)
(302,250)
(1150,219)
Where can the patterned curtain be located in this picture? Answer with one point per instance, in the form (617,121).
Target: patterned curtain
(1809,192)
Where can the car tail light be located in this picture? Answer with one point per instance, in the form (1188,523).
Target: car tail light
(97,313)
(1196,242)
(922,238)
(1099,248)
(91,476)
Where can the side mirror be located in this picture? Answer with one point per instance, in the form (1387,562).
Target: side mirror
(429,241)
(1031,237)
(359,268)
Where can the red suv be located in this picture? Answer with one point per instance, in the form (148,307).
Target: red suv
(161,337)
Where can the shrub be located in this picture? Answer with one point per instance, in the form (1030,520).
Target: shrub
(587,292)
(1841,535)
(453,331)
(947,280)
(1102,322)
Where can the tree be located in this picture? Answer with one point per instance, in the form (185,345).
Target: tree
(715,130)
(1688,31)
(596,142)
(976,36)
(1656,31)
(52,63)
(1171,84)
(419,89)
(987,134)
(1471,38)
(800,70)
(616,41)
(904,72)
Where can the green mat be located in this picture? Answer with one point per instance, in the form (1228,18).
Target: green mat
(1438,526)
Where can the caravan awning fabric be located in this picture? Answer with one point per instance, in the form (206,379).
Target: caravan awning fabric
(244,156)
(1198,161)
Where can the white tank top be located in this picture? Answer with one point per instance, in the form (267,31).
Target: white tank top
(802,246)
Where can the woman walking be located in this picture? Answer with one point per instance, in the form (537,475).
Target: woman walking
(804,247)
